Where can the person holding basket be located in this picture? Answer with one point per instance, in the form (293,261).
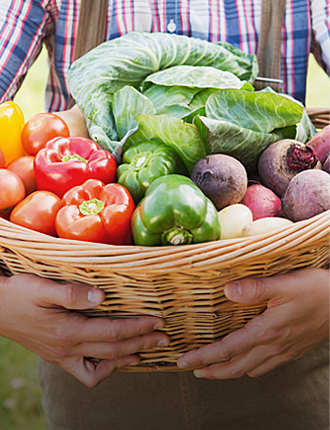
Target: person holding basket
(274,372)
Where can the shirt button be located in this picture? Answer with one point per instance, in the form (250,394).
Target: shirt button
(171,26)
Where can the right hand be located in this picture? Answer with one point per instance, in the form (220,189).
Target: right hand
(35,313)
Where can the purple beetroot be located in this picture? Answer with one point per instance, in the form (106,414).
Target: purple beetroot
(320,143)
(307,195)
(282,160)
(222,178)
(326,164)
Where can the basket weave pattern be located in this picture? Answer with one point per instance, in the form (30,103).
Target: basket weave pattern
(182,284)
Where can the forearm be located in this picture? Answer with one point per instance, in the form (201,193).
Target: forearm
(320,45)
(18,54)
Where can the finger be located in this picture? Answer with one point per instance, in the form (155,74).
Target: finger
(113,330)
(241,365)
(257,331)
(48,293)
(272,363)
(114,351)
(254,290)
(90,373)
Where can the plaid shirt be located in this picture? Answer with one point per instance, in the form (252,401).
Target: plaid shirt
(26,24)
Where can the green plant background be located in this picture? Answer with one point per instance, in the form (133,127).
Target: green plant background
(20,403)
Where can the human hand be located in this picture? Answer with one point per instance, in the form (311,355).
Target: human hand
(75,120)
(295,322)
(35,313)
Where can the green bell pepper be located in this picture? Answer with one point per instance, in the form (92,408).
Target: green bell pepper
(174,211)
(143,163)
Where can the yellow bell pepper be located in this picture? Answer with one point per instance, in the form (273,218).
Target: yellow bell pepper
(11,125)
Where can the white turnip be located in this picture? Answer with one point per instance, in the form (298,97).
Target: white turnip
(282,160)
(307,195)
(232,220)
(262,202)
(265,225)
(222,178)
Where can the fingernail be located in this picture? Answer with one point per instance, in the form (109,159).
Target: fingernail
(95,296)
(234,289)
(197,374)
(159,325)
(162,342)
(182,365)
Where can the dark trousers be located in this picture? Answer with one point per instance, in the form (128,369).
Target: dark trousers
(292,397)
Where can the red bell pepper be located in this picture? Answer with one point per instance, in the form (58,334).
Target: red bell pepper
(66,162)
(95,212)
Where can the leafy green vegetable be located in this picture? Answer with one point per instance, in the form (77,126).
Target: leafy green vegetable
(257,111)
(162,96)
(182,137)
(193,77)
(127,104)
(192,95)
(305,129)
(201,97)
(228,138)
(94,78)
(242,124)
(174,87)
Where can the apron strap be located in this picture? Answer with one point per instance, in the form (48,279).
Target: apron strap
(269,46)
(91,28)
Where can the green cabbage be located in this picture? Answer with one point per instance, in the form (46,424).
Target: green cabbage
(190,94)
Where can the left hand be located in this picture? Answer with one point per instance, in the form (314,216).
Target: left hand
(295,322)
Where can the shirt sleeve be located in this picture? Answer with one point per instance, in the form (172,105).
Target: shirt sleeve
(320,46)
(22,27)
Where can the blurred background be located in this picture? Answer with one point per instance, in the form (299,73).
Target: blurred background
(20,405)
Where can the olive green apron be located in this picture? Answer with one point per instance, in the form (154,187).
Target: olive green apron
(291,397)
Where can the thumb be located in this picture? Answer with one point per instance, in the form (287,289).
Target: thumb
(251,290)
(69,296)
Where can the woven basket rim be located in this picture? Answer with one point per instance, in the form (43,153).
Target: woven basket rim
(36,236)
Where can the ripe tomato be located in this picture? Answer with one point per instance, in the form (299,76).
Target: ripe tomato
(41,128)
(24,168)
(2,160)
(12,189)
(37,212)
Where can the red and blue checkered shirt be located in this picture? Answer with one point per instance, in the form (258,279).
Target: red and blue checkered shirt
(26,24)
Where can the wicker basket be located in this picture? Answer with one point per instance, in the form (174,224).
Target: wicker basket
(182,284)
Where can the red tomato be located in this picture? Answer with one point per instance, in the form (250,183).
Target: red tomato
(2,160)
(41,128)
(12,189)
(37,212)
(24,168)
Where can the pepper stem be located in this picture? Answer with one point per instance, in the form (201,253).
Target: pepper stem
(74,157)
(93,206)
(177,236)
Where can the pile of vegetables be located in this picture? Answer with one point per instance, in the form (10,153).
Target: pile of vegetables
(182,150)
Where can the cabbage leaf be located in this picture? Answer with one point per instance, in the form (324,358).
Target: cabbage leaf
(95,77)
